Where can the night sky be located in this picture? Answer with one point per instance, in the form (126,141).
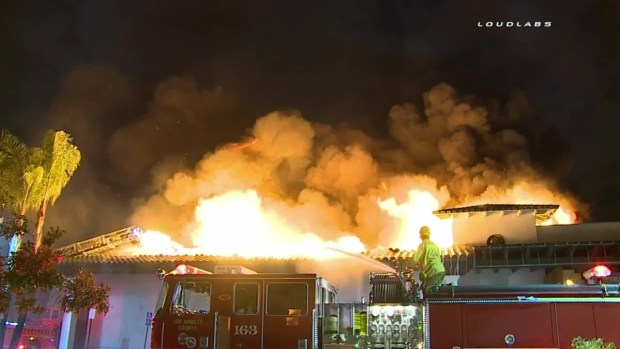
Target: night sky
(138,83)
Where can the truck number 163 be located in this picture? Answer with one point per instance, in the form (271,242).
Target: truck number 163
(245,330)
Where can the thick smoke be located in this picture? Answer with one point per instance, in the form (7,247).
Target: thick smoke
(190,143)
(329,180)
(178,119)
(93,103)
(124,160)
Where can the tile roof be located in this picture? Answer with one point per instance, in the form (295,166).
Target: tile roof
(381,255)
(136,259)
(396,254)
(497,207)
(458,260)
(542,212)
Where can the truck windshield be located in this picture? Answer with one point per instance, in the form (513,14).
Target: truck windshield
(191,297)
(159,305)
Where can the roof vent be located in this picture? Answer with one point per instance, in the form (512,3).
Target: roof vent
(496,240)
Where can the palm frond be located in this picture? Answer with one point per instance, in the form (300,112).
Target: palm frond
(11,149)
(62,160)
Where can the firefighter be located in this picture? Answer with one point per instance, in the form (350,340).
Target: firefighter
(428,258)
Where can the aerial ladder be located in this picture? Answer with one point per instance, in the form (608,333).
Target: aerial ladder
(102,243)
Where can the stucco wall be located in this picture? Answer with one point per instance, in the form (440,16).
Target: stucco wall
(475,228)
(503,276)
(599,231)
(131,297)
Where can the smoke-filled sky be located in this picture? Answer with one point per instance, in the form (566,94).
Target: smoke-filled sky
(326,102)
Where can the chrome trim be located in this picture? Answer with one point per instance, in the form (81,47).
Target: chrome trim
(215,325)
(161,342)
(426,316)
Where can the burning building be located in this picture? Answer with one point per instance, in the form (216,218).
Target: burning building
(298,196)
(528,253)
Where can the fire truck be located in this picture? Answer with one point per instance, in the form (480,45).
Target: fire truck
(234,307)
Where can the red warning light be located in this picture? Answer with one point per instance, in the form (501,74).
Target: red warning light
(599,271)
(183,269)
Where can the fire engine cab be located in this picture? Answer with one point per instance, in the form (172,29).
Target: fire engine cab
(234,307)
(238,308)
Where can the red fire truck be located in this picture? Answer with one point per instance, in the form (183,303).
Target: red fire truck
(236,308)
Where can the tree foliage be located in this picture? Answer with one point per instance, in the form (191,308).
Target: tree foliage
(594,343)
(32,178)
(21,173)
(60,161)
(80,292)
(29,271)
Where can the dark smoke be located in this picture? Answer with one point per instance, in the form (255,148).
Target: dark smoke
(147,88)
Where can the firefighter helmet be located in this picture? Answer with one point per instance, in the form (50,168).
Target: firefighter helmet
(425,232)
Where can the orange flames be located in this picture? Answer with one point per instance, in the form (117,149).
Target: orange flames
(241,223)
(413,214)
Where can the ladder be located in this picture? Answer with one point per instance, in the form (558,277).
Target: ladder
(102,243)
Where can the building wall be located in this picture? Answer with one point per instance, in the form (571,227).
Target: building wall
(124,326)
(562,276)
(503,276)
(4,246)
(475,228)
(600,231)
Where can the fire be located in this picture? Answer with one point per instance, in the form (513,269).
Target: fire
(415,213)
(348,243)
(239,223)
(244,224)
(531,192)
(156,242)
(300,188)
(561,216)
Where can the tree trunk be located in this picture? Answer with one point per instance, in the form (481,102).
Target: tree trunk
(38,233)
(3,319)
(21,320)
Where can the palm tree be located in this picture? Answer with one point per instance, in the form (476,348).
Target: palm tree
(32,178)
(20,173)
(61,160)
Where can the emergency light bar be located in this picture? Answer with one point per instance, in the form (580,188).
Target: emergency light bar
(599,271)
(184,269)
(232,269)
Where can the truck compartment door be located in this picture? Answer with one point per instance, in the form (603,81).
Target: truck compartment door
(222,332)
